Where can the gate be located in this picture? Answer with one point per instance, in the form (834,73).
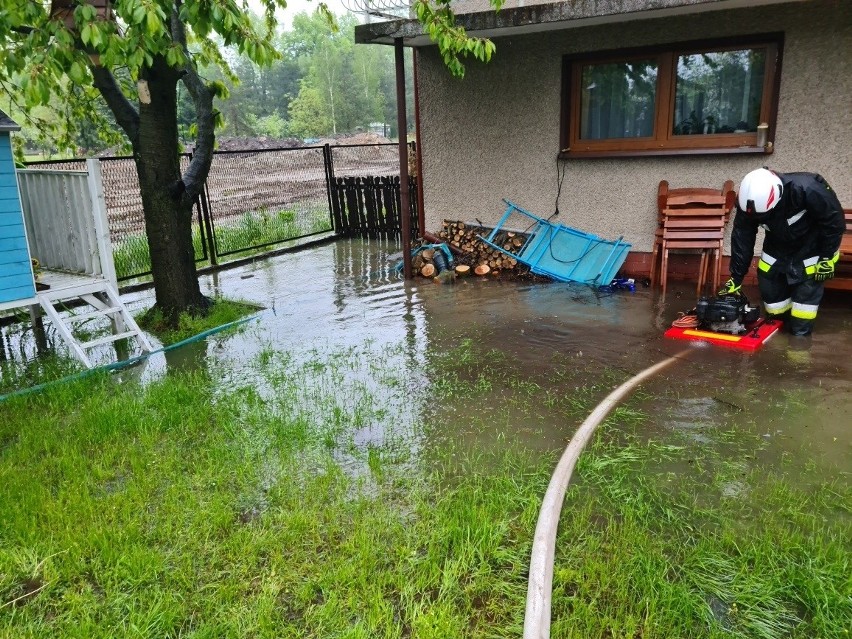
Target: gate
(257,199)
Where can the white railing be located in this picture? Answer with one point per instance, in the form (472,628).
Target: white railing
(65,216)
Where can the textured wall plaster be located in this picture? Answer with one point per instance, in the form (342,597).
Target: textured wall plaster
(495,133)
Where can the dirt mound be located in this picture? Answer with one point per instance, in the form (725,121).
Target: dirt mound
(256,144)
(343,139)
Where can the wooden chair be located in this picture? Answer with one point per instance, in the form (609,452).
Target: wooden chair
(705,233)
(694,219)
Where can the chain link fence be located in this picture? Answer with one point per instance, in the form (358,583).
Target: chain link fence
(125,214)
(257,199)
(253,201)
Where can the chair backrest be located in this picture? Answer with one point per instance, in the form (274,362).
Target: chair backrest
(695,198)
(846,240)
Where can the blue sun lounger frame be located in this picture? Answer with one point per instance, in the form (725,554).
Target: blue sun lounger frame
(564,253)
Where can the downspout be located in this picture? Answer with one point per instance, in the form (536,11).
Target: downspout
(402,129)
(421,212)
(539,590)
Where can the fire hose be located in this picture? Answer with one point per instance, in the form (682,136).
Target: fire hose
(539,590)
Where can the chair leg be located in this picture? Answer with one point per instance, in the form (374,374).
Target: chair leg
(717,269)
(655,253)
(702,273)
(664,268)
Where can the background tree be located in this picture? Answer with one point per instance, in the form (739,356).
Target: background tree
(309,114)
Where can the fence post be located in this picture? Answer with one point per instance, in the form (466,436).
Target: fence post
(203,200)
(207,218)
(95,183)
(329,184)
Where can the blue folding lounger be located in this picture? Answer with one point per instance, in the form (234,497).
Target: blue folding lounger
(563,253)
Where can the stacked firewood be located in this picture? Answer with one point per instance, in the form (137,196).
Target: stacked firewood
(471,254)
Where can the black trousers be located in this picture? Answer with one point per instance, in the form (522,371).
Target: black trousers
(800,298)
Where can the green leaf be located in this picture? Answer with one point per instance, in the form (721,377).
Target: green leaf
(152,23)
(77,73)
(96,38)
(138,14)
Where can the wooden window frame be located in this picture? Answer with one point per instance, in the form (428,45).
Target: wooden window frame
(664,142)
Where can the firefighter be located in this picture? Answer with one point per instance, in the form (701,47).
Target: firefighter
(804,223)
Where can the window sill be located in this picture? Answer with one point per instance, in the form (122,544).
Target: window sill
(738,150)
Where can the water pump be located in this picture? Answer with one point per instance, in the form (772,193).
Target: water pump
(726,314)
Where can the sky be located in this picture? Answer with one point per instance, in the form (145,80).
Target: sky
(285,16)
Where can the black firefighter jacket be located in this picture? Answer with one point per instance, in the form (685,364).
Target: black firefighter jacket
(806,225)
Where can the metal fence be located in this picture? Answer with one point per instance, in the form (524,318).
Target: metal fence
(257,199)
(253,200)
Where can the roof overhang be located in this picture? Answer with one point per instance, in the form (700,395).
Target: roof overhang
(549,17)
(7,123)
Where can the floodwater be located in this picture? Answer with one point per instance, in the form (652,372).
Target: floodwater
(346,299)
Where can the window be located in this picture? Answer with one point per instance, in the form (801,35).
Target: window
(689,98)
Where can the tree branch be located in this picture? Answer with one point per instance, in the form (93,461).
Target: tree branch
(125,113)
(205,116)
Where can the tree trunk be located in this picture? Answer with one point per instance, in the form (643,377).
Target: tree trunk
(168,215)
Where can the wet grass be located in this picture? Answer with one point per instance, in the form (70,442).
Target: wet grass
(306,497)
(222,311)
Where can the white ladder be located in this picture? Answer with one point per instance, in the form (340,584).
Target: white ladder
(106,303)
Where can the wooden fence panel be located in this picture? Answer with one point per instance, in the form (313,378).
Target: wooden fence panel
(369,207)
(58,211)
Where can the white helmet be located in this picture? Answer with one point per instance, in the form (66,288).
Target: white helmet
(760,191)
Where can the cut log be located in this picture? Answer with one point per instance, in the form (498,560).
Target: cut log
(462,270)
(428,254)
(482,269)
(428,270)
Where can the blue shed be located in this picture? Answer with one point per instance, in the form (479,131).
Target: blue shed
(17,285)
(61,217)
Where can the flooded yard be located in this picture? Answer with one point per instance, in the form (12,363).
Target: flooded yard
(367,457)
(795,393)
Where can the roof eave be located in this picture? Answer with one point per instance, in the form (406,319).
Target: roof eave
(548,17)
(7,123)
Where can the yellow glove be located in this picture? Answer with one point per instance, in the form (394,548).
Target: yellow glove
(730,288)
(824,269)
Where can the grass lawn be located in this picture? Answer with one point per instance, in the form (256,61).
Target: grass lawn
(234,503)
(252,233)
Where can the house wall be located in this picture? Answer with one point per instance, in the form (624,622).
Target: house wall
(495,134)
(16,276)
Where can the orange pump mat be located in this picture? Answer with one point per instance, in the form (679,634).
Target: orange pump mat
(753,339)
